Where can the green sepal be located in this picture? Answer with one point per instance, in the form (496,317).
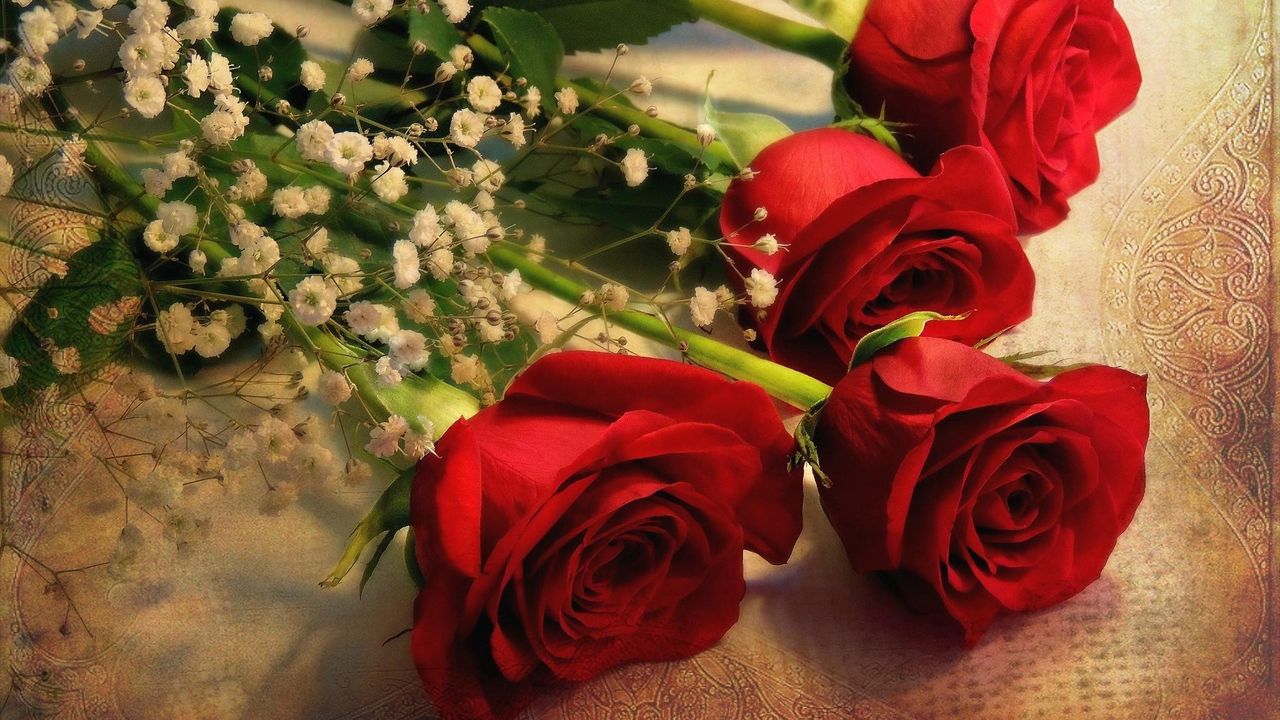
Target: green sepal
(907,326)
(388,515)
(806,447)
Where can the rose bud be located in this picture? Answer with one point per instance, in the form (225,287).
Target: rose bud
(866,240)
(974,487)
(595,516)
(1031,81)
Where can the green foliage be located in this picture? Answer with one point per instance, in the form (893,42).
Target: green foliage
(433,30)
(591,25)
(745,134)
(98,277)
(530,43)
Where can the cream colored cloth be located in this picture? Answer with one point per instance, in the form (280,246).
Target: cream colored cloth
(1165,267)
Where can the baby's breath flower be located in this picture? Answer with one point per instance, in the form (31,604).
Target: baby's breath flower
(679,241)
(313,300)
(250,28)
(249,185)
(211,339)
(466,128)
(317,198)
(635,167)
(359,69)
(488,175)
(567,100)
(408,350)
(371,320)
(200,27)
(762,288)
(614,297)
(148,15)
(178,218)
(311,75)
(37,29)
(445,72)
(419,306)
(419,444)
(29,75)
(371,11)
(333,387)
(142,53)
(513,130)
(387,373)
(197,261)
(531,101)
(642,86)
(464,368)
(405,264)
(196,74)
(157,239)
(389,183)
(289,202)
(461,57)
(156,182)
(702,307)
(347,152)
(175,328)
(512,285)
(455,11)
(547,327)
(706,134)
(146,95)
(221,79)
(384,438)
(767,244)
(484,94)
(312,139)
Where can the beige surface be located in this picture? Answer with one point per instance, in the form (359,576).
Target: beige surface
(1165,267)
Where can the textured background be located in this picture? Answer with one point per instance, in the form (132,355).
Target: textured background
(1165,267)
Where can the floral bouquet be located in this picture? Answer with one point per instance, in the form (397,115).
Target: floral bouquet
(390,267)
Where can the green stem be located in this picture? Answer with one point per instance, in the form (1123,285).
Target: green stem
(811,42)
(619,112)
(794,388)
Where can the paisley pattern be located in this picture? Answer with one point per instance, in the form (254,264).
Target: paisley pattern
(1189,297)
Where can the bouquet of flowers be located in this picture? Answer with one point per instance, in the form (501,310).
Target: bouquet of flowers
(411,248)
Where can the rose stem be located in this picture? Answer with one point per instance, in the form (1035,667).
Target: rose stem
(779,32)
(794,388)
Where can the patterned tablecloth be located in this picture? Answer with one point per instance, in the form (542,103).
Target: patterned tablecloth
(1165,267)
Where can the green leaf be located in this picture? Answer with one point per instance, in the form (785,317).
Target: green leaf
(388,515)
(432,29)
(591,25)
(745,134)
(530,44)
(839,16)
(96,303)
(907,326)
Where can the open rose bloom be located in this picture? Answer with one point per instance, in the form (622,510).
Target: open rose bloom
(976,487)
(866,240)
(1032,82)
(596,516)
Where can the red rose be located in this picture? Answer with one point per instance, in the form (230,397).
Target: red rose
(989,491)
(870,240)
(1030,80)
(596,516)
